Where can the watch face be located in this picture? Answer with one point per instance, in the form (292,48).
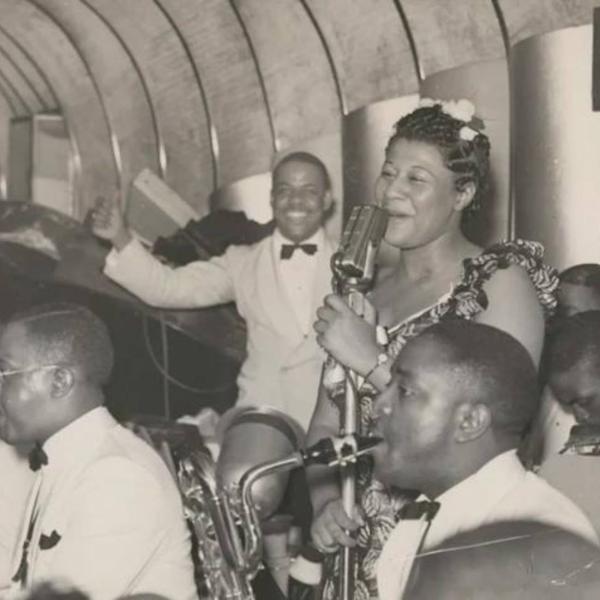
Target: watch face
(382,358)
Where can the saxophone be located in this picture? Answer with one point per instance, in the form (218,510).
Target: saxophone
(226,516)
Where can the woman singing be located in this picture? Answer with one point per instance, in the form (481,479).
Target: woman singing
(434,175)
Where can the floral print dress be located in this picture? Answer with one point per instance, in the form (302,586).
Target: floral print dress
(466,300)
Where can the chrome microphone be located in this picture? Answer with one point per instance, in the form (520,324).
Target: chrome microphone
(353,264)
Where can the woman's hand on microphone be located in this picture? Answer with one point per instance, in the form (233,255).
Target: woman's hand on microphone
(331,524)
(349,337)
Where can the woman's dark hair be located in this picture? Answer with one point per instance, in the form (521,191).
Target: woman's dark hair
(468,159)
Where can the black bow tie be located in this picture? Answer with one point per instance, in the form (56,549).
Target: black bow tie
(287,250)
(416,510)
(37,457)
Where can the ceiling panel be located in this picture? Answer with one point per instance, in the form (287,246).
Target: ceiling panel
(369,47)
(299,84)
(236,103)
(524,19)
(173,87)
(449,33)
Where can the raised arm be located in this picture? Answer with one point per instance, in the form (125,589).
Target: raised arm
(198,284)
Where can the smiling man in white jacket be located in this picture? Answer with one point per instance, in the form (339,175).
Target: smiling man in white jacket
(277,284)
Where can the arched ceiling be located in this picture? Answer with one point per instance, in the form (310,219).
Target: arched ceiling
(204,92)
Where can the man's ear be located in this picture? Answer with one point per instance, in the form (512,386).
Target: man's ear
(327,200)
(465,196)
(63,380)
(473,420)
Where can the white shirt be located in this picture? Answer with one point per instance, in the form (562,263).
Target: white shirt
(15,487)
(502,490)
(297,275)
(117,513)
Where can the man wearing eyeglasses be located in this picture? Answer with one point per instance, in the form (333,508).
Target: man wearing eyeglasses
(277,284)
(103,514)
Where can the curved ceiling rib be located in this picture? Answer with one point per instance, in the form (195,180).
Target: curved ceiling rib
(410,39)
(297,78)
(213,138)
(334,73)
(50,49)
(172,85)
(216,44)
(40,103)
(9,101)
(12,46)
(10,87)
(369,48)
(114,141)
(160,147)
(502,25)
(449,34)
(263,87)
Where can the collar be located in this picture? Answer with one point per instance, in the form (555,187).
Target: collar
(474,497)
(70,443)
(317,238)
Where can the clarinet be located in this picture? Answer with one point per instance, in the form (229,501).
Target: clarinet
(353,266)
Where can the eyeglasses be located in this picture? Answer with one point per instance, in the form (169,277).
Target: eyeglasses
(6,372)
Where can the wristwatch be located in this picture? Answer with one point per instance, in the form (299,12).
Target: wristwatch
(380,375)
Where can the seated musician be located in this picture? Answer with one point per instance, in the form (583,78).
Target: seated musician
(579,291)
(276,284)
(104,515)
(573,374)
(461,396)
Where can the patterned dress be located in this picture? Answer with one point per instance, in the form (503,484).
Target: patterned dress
(466,300)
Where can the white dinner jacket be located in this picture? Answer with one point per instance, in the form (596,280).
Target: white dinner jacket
(109,516)
(283,366)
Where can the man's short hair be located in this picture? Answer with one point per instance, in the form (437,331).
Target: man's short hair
(575,341)
(496,370)
(305,157)
(586,274)
(68,333)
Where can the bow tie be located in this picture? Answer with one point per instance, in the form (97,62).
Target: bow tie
(416,510)
(287,250)
(37,457)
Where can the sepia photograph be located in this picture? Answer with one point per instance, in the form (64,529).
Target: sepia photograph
(299,299)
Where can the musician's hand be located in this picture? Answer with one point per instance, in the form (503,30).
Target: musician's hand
(348,337)
(108,222)
(328,530)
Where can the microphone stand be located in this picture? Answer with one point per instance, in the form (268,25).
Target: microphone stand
(353,266)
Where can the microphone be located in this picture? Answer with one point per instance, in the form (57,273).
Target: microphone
(354,262)
(305,574)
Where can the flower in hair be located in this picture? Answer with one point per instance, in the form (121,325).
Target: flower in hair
(467,133)
(463,110)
